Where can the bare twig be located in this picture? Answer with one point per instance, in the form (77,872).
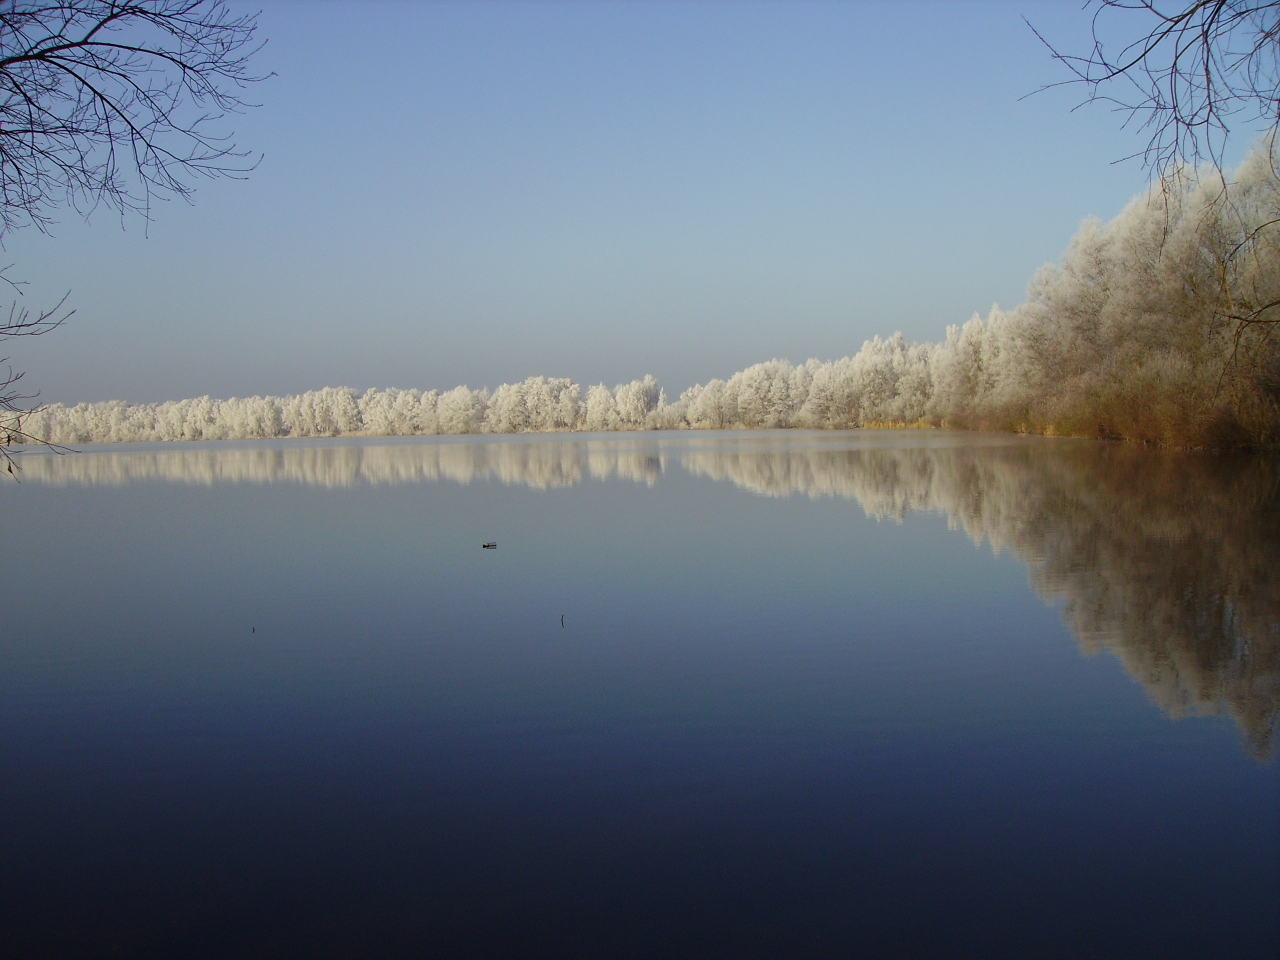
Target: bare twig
(13,414)
(1198,68)
(116,103)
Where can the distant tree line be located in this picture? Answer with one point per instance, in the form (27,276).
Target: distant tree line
(1159,327)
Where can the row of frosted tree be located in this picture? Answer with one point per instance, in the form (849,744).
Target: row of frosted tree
(1162,326)
(887,382)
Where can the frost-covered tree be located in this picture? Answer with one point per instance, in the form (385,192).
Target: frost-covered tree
(635,401)
(1141,325)
(461,410)
(538,404)
(1159,326)
(601,409)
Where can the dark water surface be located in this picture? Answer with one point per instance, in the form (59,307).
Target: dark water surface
(815,695)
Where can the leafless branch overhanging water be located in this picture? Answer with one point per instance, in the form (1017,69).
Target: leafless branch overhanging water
(1185,72)
(110,104)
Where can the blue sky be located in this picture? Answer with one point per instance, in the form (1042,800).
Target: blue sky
(481,192)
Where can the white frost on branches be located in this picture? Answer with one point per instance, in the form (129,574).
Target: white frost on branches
(1162,326)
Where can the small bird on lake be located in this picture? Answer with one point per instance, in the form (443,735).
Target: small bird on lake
(491,545)
(562,620)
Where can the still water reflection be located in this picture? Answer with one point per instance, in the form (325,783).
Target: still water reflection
(272,699)
(1167,559)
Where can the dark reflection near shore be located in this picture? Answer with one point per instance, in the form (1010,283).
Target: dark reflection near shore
(1167,559)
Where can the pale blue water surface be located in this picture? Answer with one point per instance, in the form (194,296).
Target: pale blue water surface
(869,694)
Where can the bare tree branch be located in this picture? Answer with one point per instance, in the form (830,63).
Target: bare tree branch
(115,104)
(1197,68)
(20,322)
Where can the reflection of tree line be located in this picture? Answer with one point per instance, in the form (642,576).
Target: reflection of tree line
(538,465)
(1167,559)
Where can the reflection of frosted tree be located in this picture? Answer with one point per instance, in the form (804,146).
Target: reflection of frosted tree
(1167,559)
(537,465)
(1172,568)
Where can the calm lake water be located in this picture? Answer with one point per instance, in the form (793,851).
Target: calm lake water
(868,694)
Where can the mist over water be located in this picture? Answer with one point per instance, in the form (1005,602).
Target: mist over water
(816,692)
